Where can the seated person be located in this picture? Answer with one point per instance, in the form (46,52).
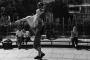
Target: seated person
(74,36)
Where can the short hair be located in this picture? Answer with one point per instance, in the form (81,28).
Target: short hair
(40,4)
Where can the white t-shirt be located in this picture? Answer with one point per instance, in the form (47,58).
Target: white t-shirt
(27,34)
(19,33)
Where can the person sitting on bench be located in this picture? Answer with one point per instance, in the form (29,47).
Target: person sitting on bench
(74,36)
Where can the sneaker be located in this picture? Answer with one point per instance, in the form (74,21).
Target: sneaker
(37,57)
(42,55)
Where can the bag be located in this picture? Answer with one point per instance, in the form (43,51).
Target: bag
(7,44)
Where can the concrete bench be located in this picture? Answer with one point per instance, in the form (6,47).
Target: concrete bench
(62,40)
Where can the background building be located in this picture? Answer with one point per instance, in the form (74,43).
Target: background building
(82,18)
(59,15)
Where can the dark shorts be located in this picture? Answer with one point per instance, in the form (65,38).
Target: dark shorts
(37,38)
(75,39)
(38,33)
(19,39)
(36,43)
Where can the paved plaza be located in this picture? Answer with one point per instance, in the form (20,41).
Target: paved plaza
(52,53)
(64,51)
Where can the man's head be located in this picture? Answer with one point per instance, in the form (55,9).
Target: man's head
(40,5)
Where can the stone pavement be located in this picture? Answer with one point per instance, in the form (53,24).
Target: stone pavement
(52,53)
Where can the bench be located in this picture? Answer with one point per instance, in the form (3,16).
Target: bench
(63,39)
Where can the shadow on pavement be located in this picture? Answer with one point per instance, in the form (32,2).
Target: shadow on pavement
(83,47)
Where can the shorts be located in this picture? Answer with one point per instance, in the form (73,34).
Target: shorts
(19,39)
(37,39)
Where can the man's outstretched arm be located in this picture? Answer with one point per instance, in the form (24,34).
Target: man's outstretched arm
(22,20)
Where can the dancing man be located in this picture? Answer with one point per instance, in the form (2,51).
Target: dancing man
(38,34)
(36,25)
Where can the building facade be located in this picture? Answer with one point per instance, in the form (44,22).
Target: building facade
(82,18)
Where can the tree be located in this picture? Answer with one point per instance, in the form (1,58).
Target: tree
(59,9)
(30,6)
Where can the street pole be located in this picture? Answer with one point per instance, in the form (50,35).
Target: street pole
(63,26)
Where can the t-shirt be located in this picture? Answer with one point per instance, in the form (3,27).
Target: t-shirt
(74,34)
(32,21)
(19,33)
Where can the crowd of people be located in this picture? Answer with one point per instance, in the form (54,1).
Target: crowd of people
(22,37)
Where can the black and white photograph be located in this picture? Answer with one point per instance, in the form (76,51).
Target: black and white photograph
(44,29)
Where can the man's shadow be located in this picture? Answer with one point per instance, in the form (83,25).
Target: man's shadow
(83,47)
(42,59)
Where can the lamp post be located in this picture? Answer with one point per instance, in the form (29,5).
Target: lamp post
(63,26)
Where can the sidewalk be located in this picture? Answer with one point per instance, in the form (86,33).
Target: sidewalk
(51,54)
